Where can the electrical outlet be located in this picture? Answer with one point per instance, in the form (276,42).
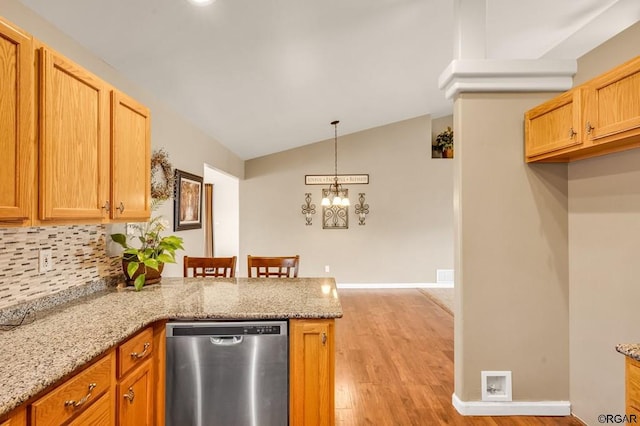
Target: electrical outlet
(327,268)
(45,263)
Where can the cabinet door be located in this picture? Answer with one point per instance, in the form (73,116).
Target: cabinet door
(130,158)
(613,102)
(311,372)
(554,125)
(18,418)
(74,150)
(17,147)
(135,397)
(632,372)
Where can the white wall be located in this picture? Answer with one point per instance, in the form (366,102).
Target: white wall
(226,212)
(408,233)
(604,242)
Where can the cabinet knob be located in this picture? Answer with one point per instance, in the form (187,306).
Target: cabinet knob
(106,206)
(589,127)
(120,207)
(130,395)
(572,133)
(324,339)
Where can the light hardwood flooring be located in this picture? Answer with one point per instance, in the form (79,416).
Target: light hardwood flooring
(394,364)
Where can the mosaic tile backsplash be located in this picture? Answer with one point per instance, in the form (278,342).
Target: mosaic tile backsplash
(78,253)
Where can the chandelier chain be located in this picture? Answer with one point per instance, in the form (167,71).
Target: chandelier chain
(335,151)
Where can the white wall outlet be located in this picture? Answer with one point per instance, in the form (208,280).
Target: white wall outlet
(327,268)
(496,385)
(45,261)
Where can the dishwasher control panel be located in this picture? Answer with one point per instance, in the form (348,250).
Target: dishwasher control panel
(276,328)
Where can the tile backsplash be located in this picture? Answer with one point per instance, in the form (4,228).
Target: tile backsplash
(78,253)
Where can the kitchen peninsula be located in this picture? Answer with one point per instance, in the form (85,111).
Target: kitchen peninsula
(104,329)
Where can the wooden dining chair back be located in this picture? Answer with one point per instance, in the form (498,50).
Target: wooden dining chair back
(273,267)
(210,266)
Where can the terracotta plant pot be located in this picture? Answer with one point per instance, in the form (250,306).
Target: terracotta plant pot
(152,277)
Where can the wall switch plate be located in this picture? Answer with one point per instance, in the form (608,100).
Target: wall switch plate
(327,268)
(45,261)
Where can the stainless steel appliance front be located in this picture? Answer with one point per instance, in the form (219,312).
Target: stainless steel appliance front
(227,373)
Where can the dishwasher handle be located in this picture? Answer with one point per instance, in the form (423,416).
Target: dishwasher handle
(227,340)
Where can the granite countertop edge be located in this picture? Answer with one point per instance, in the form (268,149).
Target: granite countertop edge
(632,350)
(105,319)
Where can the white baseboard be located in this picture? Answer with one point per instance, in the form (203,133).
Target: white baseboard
(394,285)
(515,408)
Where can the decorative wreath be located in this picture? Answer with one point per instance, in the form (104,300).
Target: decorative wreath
(161,176)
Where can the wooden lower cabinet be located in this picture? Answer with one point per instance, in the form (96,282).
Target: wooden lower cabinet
(312,372)
(632,374)
(127,385)
(135,397)
(136,386)
(18,418)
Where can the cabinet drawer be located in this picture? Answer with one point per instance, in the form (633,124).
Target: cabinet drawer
(100,413)
(135,351)
(81,390)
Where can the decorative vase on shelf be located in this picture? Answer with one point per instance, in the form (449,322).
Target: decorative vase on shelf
(152,276)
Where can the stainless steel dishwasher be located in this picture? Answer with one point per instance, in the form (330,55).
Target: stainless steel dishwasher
(227,373)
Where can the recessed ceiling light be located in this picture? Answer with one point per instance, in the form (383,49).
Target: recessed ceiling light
(202,2)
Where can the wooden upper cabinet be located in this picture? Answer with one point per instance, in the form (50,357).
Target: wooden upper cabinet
(130,158)
(17,145)
(554,126)
(312,372)
(613,102)
(73,141)
(599,117)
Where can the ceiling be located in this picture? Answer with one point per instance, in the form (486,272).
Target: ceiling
(262,76)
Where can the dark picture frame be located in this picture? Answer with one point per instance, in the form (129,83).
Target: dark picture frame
(187,202)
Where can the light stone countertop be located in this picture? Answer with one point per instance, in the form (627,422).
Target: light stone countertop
(38,354)
(632,350)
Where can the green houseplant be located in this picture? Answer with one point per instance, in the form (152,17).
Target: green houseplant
(153,251)
(444,141)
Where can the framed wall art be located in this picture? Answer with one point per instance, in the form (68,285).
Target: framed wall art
(187,202)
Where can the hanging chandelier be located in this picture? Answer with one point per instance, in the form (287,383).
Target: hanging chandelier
(335,195)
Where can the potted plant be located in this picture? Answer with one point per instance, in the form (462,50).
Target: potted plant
(444,141)
(144,264)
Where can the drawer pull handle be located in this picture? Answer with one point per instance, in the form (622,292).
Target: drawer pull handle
(76,404)
(136,355)
(130,395)
(324,339)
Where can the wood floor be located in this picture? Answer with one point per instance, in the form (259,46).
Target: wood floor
(394,364)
